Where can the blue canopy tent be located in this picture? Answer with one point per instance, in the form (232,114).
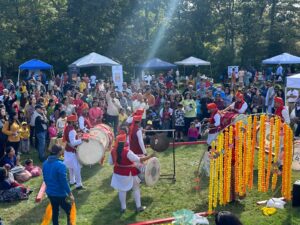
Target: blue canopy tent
(34,64)
(156,64)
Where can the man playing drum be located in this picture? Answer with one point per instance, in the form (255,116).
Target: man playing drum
(239,106)
(70,157)
(125,172)
(136,140)
(214,122)
(281,111)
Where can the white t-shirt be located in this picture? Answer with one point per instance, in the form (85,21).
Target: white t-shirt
(93,79)
(292,95)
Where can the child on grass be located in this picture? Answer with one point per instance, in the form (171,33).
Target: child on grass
(24,138)
(34,170)
(179,122)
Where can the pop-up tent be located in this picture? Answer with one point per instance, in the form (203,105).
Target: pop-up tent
(156,64)
(34,64)
(93,59)
(192,61)
(284,58)
(292,82)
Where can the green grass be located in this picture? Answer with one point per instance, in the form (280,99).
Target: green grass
(99,204)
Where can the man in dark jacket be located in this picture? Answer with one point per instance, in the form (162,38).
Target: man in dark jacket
(41,130)
(57,187)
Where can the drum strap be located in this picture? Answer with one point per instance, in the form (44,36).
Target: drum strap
(126,166)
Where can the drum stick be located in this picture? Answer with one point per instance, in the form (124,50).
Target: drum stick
(41,193)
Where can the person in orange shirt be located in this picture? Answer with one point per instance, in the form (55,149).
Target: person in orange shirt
(150,98)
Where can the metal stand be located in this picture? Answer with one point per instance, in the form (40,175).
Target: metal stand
(168,176)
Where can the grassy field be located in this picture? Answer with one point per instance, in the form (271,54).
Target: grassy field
(99,204)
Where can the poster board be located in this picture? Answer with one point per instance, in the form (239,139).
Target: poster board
(117,76)
(230,68)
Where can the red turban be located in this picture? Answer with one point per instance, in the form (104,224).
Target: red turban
(279,100)
(239,95)
(137,118)
(72,118)
(211,106)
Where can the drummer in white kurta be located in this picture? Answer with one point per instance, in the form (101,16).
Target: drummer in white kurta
(125,172)
(214,122)
(70,157)
(239,106)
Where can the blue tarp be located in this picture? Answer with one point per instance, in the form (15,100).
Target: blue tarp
(35,64)
(156,64)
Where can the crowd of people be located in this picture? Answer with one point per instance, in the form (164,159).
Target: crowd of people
(41,110)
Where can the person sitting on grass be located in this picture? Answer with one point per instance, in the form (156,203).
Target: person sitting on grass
(10,158)
(10,190)
(226,218)
(34,170)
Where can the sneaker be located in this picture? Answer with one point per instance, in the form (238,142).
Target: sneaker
(140,209)
(122,211)
(80,188)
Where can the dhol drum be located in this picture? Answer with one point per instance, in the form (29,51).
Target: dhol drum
(267,136)
(104,134)
(90,153)
(150,171)
(296,155)
(231,118)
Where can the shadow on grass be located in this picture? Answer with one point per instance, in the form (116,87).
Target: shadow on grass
(105,185)
(35,214)
(90,171)
(110,214)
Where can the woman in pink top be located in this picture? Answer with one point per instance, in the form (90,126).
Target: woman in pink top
(95,114)
(52,130)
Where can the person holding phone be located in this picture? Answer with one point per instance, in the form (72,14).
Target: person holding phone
(57,187)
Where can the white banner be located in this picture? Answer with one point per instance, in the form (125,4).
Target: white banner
(117,76)
(230,68)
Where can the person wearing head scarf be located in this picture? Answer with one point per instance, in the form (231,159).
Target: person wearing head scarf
(70,157)
(214,122)
(125,171)
(239,106)
(281,111)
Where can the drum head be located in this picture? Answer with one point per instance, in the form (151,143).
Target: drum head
(90,153)
(159,142)
(108,130)
(296,156)
(152,171)
(99,135)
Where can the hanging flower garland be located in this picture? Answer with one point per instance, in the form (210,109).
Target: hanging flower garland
(270,154)
(236,158)
(211,182)
(220,158)
(261,157)
(226,165)
(229,163)
(276,152)
(240,159)
(251,166)
(285,161)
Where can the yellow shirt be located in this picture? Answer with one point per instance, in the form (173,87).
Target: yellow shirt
(24,132)
(23,89)
(82,86)
(122,118)
(13,132)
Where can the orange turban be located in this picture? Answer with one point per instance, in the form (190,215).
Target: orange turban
(239,95)
(211,106)
(279,100)
(137,118)
(84,106)
(121,138)
(72,118)
(138,112)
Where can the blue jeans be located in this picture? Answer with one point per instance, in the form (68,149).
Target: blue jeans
(41,137)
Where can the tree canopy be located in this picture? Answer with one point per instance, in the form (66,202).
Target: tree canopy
(221,31)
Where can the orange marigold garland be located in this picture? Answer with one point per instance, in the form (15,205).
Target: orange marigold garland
(220,158)
(211,183)
(276,151)
(226,166)
(236,158)
(261,156)
(270,154)
(240,159)
(48,215)
(254,125)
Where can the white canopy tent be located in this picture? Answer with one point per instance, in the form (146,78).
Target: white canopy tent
(93,59)
(293,81)
(284,58)
(193,61)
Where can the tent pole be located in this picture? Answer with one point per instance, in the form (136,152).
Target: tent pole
(18,83)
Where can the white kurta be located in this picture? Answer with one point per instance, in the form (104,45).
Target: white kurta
(71,161)
(242,109)
(124,183)
(213,136)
